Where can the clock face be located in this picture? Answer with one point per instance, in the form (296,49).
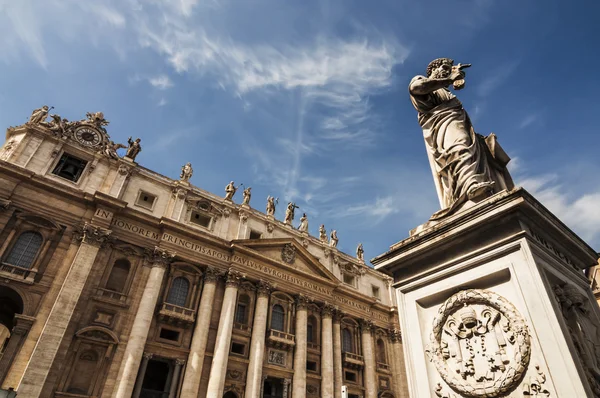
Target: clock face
(87,136)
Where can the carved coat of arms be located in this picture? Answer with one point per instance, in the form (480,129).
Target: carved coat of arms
(479,344)
(288,253)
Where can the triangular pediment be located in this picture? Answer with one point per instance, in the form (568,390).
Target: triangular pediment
(288,253)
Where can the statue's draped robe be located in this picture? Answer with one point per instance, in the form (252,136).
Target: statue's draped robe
(458,157)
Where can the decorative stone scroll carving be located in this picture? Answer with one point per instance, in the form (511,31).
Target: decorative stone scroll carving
(211,275)
(302,302)
(288,253)
(583,329)
(93,235)
(328,310)
(536,384)
(276,357)
(233,278)
(159,257)
(479,344)
(366,325)
(263,288)
(395,336)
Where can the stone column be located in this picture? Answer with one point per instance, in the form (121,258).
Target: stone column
(337,354)
(218,368)
(195,362)
(175,379)
(140,379)
(257,344)
(32,383)
(400,381)
(327,384)
(286,385)
(369,357)
(299,379)
(15,341)
(159,260)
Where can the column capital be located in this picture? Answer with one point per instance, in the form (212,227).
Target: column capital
(338,315)
(263,288)
(328,310)
(92,235)
(147,356)
(211,275)
(366,325)
(395,335)
(159,257)
(233,278)
(302,301)
(179,362)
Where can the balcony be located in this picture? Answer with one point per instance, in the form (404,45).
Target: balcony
(112,296)
(280,340)
(313,346)
(353,361)
(17,273)
(383,367)
(177,316)
(242,327)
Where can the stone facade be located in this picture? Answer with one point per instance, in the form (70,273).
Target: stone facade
(118,282)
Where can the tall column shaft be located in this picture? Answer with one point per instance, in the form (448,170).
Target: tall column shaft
(140,380)
(141,325)
(299,379)
(195,362)
(369,356)
(337,355)
(175,379)
(257,345)
(400,381)
(45,351)
(327,383)
(218,368)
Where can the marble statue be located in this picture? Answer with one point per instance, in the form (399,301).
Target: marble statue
(465,165)
(186,172)
(39,115)
(303,223)
(134,148)
(289,213)
(110,149)
(360,253)
(323,233)
(97,119)
(333,242)
(247,195)
(271,202)
(230,190)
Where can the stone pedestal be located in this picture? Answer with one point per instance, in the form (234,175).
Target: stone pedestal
(493,301)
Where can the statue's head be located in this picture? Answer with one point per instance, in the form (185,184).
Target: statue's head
(45,107)
(440,68)
(138,140)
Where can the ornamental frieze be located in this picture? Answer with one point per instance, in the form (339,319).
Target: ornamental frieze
(479,344)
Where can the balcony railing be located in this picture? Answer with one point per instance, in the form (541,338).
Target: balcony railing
(383,367)
(313,346)
(112,295)
(281,340)
(17,273)
(241,326)
(353,361)
(176,315)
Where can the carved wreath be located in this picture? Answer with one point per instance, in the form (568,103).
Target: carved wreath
(510,375)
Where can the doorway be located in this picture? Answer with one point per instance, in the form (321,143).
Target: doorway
(155,383)
(273,388)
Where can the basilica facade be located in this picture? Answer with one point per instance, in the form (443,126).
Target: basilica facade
(116,281)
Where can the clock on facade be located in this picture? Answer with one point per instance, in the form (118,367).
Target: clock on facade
(87,136)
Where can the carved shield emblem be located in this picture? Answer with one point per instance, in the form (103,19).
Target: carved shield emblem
(479,344)
(288,253)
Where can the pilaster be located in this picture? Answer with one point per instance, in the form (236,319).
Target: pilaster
(299,378)
(257,344)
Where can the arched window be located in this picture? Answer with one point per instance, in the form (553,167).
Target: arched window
(277,318)
(118,276)
(347,345)
(25,249)
(381,351)
(179,291)
(311,330)
(241,313)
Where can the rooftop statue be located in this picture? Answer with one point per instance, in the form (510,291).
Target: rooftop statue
(247,194)
(289,213)
(230,190)
(134,148)
(322,233)
(465,165)
(186,172)
(303,223)
(360,252)
(333,242)
(271,203)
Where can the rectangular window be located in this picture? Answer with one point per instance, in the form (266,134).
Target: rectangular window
(146,200)
(238,348)
(240,315)
(311,366)
(350,376)
(169,334)
(255,234)
(200,219)
(349,279)
(69,167)
(375,290)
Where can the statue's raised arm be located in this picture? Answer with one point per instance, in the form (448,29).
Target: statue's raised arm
(465,165)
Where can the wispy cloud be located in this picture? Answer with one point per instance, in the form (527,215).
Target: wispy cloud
(496,77)
(161,82)
(529,120)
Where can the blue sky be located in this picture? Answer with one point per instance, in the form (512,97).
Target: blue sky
(307,100)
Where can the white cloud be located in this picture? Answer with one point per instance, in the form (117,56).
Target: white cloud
(496,77)
(529,120)
(161,82)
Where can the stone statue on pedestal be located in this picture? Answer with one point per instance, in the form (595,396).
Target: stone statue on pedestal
(271,202)
(303,223)
(134,148)
(333,238)
(360,252)
(289,213)
(186,172)
(465,165)
(322,233)
(39,115)
(230,190)
(247,194)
